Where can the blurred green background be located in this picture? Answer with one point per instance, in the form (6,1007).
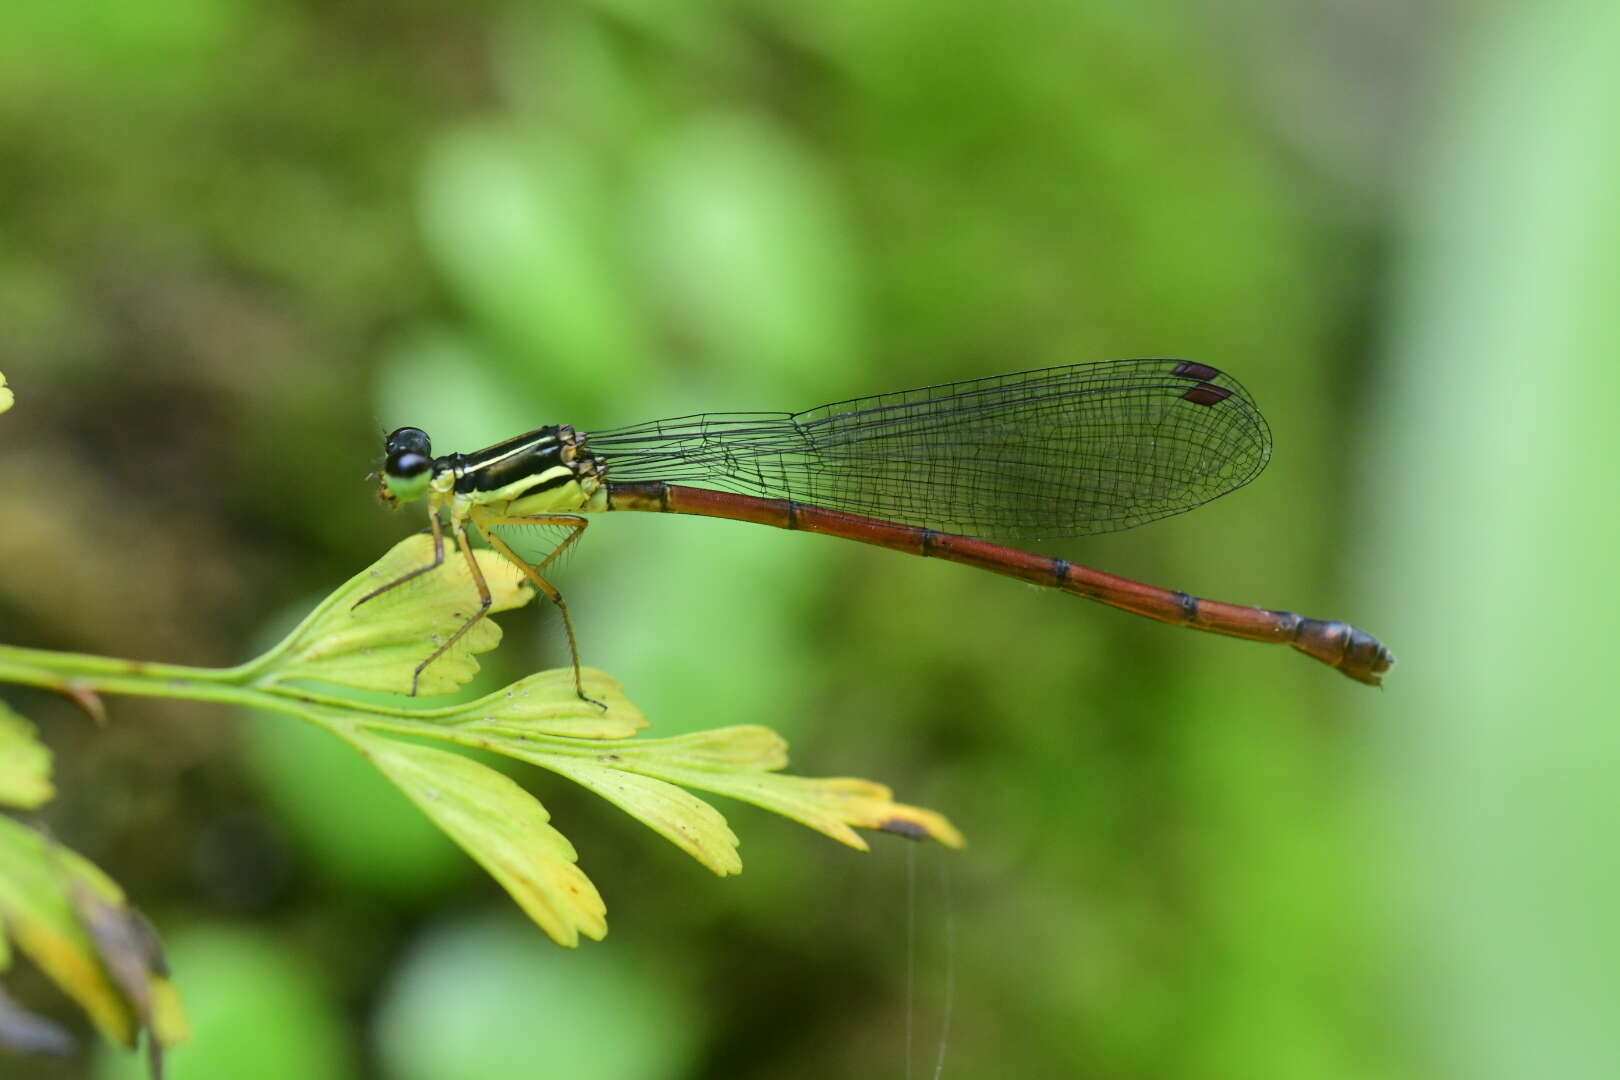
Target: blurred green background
(239,239)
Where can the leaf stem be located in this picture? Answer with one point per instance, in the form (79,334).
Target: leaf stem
(75,673)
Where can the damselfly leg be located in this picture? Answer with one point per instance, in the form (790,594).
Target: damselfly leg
(438,560)
(488,522)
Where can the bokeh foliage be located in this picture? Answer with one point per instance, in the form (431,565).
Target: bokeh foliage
(241,238)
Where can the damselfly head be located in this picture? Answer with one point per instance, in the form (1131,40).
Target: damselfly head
(408,467)
(408,438)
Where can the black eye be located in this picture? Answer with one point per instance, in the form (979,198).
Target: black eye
(411,439)
(404,464)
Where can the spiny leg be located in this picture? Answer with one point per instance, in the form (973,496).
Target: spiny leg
(573,522)
(484,602)
(438,561)
(570,521)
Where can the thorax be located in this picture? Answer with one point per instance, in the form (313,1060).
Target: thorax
(538,473)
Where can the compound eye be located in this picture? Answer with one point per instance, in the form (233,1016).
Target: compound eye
(411,439)
(406,464)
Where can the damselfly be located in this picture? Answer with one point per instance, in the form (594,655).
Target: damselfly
(939,471)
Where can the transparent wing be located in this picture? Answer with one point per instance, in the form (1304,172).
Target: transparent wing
(1055,452)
